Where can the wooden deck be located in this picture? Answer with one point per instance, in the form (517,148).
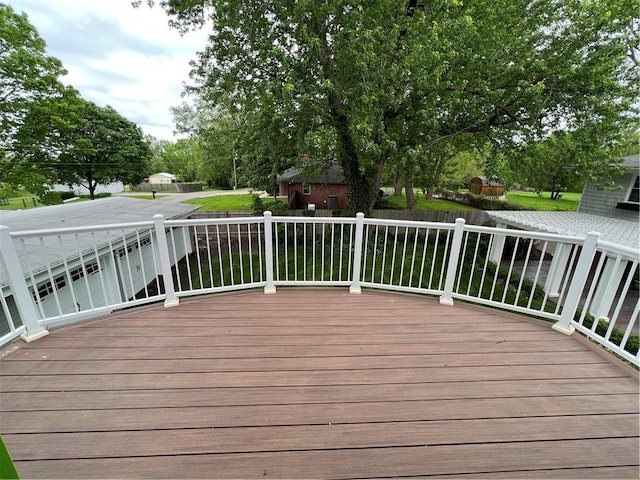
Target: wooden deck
(316,383)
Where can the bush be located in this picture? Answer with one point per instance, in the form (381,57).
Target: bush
(67,195)
(97,195)
(257,208)
(478,201)
(276,207)
(51,198)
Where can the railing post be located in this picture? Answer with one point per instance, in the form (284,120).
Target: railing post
(21,294)
(578,282)
(357,255)
(454,255)
(270,287)
(170,299)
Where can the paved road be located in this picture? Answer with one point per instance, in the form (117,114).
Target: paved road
(181,197)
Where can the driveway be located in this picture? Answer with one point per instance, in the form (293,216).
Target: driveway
(181,197)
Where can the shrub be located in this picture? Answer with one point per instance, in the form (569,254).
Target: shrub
(257,208)
(67,195)
(478,201)
(51,198)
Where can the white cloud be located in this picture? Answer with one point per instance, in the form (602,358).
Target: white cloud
(118,55)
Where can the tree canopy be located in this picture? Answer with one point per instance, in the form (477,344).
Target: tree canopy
(48,133)
(382,83)
(27,73)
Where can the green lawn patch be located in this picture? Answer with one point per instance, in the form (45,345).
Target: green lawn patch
(7,469)
(19,203)
(400,203)
(223,203)
(543,202)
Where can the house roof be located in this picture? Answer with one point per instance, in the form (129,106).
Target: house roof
(164,174)
(632,161)
(104,211)
(488,183)
(620,232)
(332,175)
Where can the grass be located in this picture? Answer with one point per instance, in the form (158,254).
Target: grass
(543,202)
(227,203)
(422,203)
(7,469)
(223,203)
(20,203)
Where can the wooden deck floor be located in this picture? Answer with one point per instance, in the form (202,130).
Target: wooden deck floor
(316,383)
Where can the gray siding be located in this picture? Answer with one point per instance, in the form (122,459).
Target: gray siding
(603,202)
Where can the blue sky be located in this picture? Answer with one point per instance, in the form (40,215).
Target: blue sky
(118,55)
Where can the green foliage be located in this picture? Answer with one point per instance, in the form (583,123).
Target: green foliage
(27,74)
(616,335)
(101,147)
(7,468)
(183,158)
(28,80)
(258,205)
(48,133)
(478,201)
(51,198)
(379,84)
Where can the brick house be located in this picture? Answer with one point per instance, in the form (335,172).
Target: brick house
(320,186)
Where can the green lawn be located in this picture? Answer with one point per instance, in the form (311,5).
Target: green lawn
(529,200)
(20,203)
(533,201)
(224,203)
(423,204)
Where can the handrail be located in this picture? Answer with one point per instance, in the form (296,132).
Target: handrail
(67,275)
(85,229)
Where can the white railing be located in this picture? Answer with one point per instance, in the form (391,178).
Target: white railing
(51,277)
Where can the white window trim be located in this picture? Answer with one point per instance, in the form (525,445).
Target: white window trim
(630,191)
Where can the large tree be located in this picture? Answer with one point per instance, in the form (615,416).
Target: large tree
(390,78)
(28,81)
(101,147)
(27,73)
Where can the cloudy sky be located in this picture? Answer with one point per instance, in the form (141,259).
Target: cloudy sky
(117,55)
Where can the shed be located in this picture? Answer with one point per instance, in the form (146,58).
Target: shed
(484,186)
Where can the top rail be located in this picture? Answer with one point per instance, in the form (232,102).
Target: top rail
(85,229)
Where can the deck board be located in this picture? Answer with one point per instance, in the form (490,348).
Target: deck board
(316,383)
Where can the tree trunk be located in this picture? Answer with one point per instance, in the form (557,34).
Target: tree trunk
(398,183)
(429,193)
(91,186)
(408,190)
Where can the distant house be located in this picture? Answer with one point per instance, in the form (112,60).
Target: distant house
(162,178)
(322,187)
(89,271)
(623,203)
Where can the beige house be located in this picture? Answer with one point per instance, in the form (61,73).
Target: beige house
(162,178)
